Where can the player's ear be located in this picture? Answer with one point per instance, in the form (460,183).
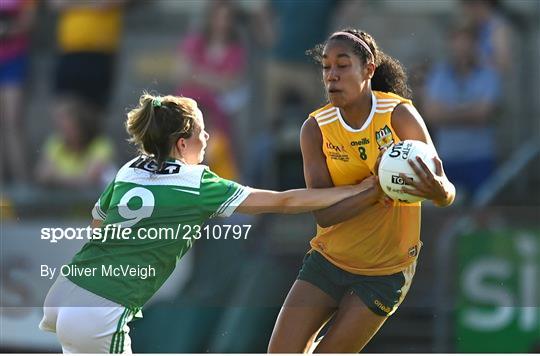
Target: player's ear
(369,69)
(181,145)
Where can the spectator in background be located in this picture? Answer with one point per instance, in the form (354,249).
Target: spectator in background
(16,21)
(76,155)
(211,68)
(460,104)
(291,84)
(88,40)
(492,31)
(297,25)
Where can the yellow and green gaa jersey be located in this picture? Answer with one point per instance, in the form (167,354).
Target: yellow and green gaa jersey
(380,240)
(175,199)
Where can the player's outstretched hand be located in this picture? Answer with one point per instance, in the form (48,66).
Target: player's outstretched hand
(431,185)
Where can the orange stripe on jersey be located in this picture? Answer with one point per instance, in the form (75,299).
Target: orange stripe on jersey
(328,121)
(324,117)
(322,110)
(385,105)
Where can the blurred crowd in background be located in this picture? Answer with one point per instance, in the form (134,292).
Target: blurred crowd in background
(70,70)
(245,64)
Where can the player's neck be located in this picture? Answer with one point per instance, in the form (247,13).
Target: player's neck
(357,112)
(175,155)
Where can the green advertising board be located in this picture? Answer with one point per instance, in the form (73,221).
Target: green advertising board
(498,296)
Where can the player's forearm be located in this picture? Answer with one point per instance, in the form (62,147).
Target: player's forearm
(306,200)
(346,209)
(295,201)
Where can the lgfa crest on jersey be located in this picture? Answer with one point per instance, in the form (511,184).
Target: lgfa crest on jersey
(384,137)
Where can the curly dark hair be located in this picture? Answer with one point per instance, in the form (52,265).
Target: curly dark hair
(389,74)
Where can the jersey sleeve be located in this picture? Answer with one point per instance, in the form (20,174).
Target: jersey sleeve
(220,197)
(99,212)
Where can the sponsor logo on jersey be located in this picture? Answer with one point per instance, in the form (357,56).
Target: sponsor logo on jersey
(337,152)
(149,165)
(384,137)
(364,141)
(413,251)
(333,147)
(339,157)
(381,306)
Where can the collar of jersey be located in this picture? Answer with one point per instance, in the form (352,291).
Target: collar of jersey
(174,160)
(368,121)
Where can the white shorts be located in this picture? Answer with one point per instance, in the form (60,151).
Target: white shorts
(85,322)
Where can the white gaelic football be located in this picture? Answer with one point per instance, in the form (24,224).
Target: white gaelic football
(394,161)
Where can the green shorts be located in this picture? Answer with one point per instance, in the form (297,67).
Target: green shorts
(381,294)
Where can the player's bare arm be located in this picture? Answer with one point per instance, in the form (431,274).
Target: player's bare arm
(316,175)
(297,201)
(435,186)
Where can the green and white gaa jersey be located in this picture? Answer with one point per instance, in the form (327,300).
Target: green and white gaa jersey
(144,203)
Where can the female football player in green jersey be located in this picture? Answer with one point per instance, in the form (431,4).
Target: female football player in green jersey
(103,288)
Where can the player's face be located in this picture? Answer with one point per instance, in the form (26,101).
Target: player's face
(344,75)
(194,147)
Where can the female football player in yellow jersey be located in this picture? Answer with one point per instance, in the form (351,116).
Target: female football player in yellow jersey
(362,260)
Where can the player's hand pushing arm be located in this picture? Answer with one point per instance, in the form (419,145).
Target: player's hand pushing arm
(317,176)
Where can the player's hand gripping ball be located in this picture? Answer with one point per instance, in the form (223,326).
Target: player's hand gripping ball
(395,172)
